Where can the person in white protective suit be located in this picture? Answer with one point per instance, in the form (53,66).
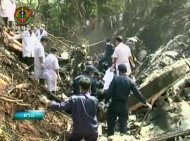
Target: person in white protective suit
(39,59)
(7,11)
(122,55)
(29,41)
(41,32)
(51,71)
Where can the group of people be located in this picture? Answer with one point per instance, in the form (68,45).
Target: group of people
(33,54)
(83,104)
(121,54)
(114,21)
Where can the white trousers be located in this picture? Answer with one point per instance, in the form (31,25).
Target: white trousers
(11,10)
(38,73)
(51,80)
(26,53)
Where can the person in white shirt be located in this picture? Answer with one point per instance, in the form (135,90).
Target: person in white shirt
(122,55)
(7,10)
(39,59)
(12,9)
(51,71)
(29,41)
(41,32)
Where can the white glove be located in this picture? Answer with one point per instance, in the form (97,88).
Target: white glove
(149,106)
(44,100)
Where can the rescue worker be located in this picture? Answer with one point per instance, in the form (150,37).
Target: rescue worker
(29,41)
(90,64)
(122,55)
(39,59)
(41,32)
(84,110)
(79,54)
(108,52)
(51,71)
(119,91)
(12,9)
(88,72)
(7,10)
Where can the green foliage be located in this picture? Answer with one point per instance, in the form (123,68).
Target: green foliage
(72,12)
(61,14)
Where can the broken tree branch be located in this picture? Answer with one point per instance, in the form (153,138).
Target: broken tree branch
(10,100)
(14,101)
(146,115)
(9,97)
(95,44)
(22,104)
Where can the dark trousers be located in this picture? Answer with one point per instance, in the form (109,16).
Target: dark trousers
(42,81)
(29,61)
(78,137)
(112,115)
(5,19)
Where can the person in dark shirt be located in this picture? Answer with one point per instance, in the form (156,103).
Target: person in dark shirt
(90,64)
(108,52)
(106,60)
(84,110)
(88,72)
(119,91)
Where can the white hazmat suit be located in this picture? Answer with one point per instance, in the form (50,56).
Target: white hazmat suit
(50,67)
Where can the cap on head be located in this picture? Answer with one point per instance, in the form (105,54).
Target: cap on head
(119,38)
(122,68)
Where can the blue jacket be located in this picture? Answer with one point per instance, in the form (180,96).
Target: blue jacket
(119,91)
(84,110)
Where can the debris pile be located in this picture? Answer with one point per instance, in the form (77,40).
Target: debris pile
(164,81)
(20,92)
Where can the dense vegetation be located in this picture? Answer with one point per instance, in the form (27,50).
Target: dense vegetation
(67,18)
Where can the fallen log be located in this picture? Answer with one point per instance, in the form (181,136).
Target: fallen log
(16,44)
(158,82)
(14,47)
